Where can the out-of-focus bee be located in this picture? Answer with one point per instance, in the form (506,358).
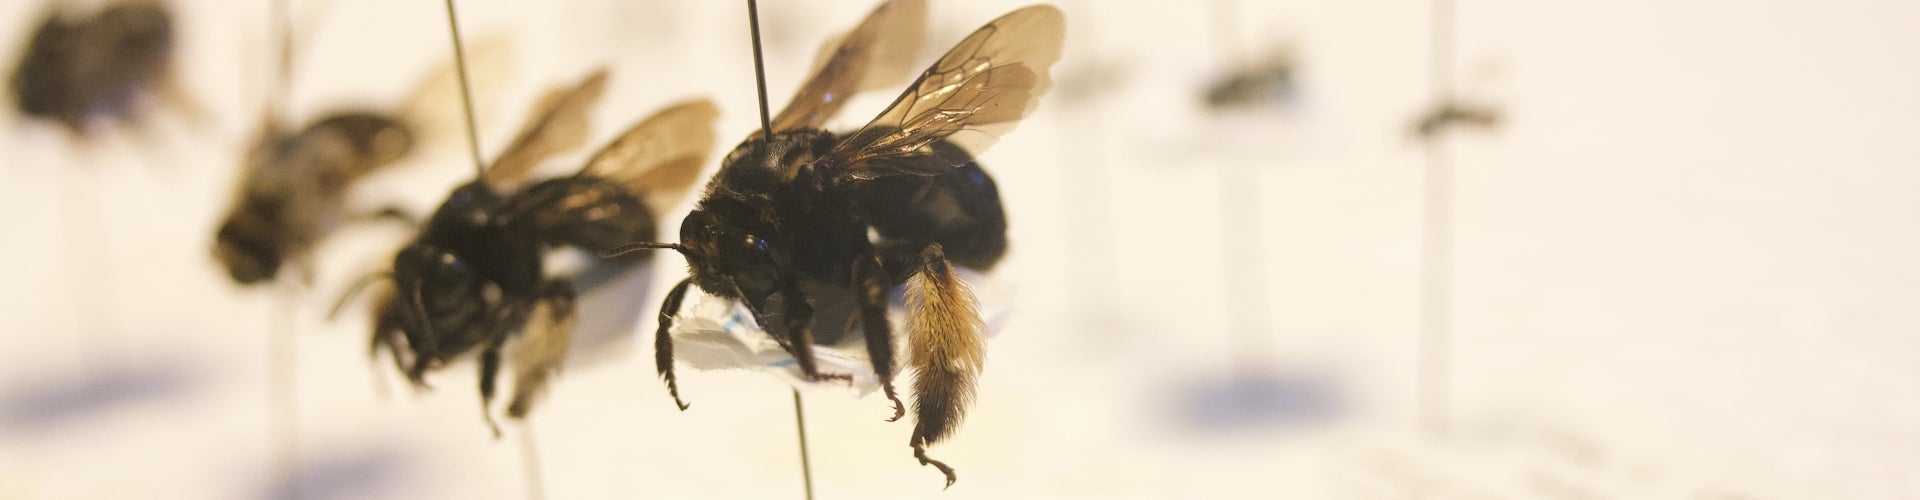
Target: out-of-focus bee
(473,278)
(293,186)
(1266,83)
(810,230)
(79,71)
(1455,113)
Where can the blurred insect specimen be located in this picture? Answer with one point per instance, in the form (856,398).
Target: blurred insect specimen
(1455,113)
(1452,111)
(473,278)
(81,70)
(809,229)
(1266,83)
(294,182)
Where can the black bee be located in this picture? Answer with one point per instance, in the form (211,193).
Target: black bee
(812,228)
(473,277)
(293,185)
(102,67)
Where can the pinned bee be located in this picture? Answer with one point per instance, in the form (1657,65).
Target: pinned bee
(810,229)
(1452,114)
(293,183)
(473,278)
(1269,82)
(81,70)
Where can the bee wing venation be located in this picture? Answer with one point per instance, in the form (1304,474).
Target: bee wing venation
(877,54)
(560,121)
(661,156)
(977,92)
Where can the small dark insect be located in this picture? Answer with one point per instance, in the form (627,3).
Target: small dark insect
(1262,84)
(811,229)
(292,188)
(79,71)
(293,185)
(1455,113)
(474,278)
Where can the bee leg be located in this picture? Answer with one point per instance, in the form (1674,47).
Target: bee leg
(304,264)
(799,319)
(543,349)
(422,360)
(489,369)
(920,452)
(384,328)
(385,339)
(389,333)
(421,340)
(663,342)
(947,351)
(872,283)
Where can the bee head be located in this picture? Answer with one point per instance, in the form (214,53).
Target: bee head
(248,248)
(436,274)
(732,256)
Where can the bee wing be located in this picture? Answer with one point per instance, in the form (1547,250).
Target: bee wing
(433,105)
(559,122)
(984,86)
(876,54)
(660,156)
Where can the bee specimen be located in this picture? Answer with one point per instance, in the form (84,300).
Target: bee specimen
(294,182)
(473,277)
(77,72)
(1455,113)
(810,229)
(1263,84)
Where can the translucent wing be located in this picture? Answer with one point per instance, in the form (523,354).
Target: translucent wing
(982,87)
(558,123)
(876,54)
(433,107)
(660,156)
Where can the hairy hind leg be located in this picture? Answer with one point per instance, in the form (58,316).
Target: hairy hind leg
(543,348)
(947,352)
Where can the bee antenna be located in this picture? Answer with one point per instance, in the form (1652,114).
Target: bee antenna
(354,291)
(759,70)
(635,247)
(466,90)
